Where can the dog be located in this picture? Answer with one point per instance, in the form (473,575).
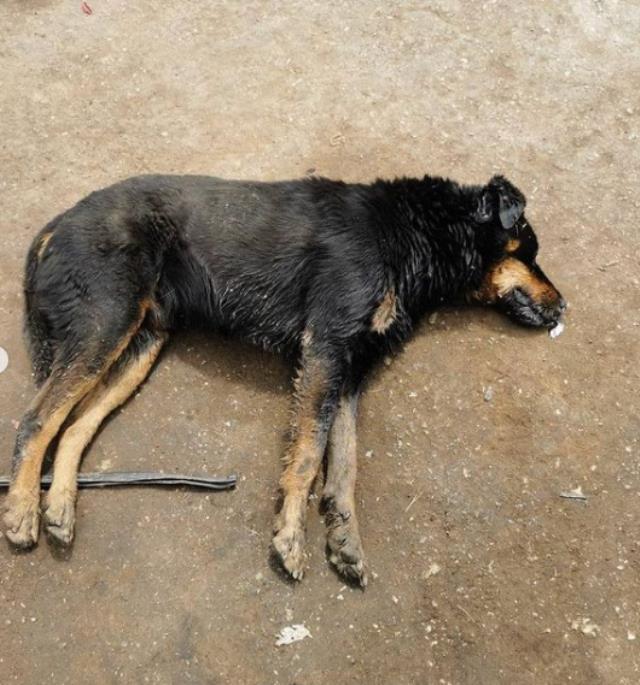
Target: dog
(336,275)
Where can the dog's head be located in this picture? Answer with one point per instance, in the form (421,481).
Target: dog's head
(513,281)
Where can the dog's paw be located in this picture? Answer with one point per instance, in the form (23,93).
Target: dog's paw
(22,519)
(288,544)
(346,554)
(60,517)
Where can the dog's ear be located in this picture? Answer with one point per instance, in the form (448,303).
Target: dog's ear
(500,197)
(511,202)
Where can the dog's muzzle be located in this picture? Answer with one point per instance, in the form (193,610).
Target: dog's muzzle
(520,307)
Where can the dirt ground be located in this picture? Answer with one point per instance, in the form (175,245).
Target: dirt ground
(481,573)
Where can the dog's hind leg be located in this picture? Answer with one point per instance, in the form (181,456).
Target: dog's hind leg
(114,389)
(338,497)
(68,383)
(316,390)
(38,427)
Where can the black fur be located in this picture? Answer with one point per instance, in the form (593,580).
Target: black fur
(334,274)
(259,260)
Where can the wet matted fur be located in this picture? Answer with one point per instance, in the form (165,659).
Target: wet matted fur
(336,275)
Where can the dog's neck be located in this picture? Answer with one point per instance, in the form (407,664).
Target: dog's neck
(436,250)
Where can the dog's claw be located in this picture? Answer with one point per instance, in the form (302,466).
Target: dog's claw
(351,571)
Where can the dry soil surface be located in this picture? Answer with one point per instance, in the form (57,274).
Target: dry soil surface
(481,572)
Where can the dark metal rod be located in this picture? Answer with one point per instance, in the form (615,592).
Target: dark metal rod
(103,480)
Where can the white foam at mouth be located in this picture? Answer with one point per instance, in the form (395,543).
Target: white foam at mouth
(556,330)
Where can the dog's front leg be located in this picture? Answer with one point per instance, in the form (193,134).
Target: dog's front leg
(316,391)
(338,497)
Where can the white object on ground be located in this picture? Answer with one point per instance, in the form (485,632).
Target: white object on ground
(556,330)
(576,493)
(586,626)
(433,570)
(290,634)
(4,359)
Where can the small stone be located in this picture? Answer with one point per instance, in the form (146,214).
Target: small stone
(586,626)
(433,570)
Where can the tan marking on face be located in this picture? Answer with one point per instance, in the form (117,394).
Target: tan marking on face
(44,241)
(510,274)
(385,314)
(512,245)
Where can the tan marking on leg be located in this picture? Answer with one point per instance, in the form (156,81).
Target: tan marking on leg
(44,241)
(28,476)
(343,536)
(54,402)
(302,459)
(310,384)
(22,510)
(385,314)
(60,514)
(341,473)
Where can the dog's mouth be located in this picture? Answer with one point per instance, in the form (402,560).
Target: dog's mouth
(523,309)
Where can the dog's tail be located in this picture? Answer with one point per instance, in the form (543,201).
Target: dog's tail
(40,342)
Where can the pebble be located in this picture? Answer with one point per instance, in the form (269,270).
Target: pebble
(586,626)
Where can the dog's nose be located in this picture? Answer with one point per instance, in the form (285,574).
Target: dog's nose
(559,309)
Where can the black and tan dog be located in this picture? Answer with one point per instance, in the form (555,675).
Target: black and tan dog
(336,274)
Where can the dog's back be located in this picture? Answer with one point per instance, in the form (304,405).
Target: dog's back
(248,258)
